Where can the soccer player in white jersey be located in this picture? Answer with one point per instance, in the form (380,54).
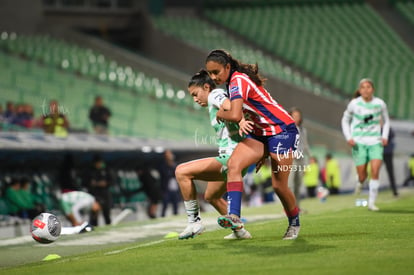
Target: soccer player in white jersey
(212,169)
(361,126)
(72,203)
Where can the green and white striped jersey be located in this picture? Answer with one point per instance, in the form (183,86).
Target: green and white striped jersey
(362,120)
(227,133)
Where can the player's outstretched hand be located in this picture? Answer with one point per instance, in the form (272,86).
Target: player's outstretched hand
(246,126)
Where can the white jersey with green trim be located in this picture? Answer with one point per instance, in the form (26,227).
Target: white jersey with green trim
(362,120)
(227,132)
(73,197)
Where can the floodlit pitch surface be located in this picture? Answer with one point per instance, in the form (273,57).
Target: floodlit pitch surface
(336,238)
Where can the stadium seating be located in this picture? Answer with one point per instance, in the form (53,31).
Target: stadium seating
(128,190)
(205,36)
(36,69)
(339,42)
(406,8)
(43,191)
(3,205)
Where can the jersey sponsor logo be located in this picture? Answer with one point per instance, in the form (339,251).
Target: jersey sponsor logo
(219,97)
(39,224)
(297,140)
(234,91)
(368,118)
(282,136)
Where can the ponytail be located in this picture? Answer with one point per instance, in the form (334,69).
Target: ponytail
(356,94)
(251,70)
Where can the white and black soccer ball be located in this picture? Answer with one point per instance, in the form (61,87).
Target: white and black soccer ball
(45,228)
(323,193)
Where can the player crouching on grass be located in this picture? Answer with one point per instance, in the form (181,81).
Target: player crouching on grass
(72,203)
(212,169)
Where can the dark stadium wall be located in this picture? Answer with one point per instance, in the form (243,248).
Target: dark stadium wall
(400,24)
(100,19)
(102,22)
(28,16)
(173,52)
(22,16)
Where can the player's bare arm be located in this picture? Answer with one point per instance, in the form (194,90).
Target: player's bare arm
(235,113)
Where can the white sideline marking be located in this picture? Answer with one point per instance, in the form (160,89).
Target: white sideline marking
(132,247)
(131,233)
(121,216)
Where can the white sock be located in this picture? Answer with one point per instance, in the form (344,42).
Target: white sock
(242,230)
(373,191)
(193,211)
(69,230)
(361,182)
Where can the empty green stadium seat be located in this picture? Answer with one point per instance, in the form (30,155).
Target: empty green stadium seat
(204,35)
(406,8)
(54,69)
(339,42)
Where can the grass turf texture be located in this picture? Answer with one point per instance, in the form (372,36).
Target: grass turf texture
(336,238)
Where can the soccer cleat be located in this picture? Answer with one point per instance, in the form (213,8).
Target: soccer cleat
(358,188)
(292,232)
(85,227)
(230,221)
(373,207)
(238,235)
(192,230)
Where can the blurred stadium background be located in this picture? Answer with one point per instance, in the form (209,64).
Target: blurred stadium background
(138,55)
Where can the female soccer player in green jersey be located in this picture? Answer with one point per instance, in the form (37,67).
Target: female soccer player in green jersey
(361,126)
(212,169)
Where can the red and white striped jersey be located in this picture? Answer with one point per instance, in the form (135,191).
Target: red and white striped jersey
(269,117)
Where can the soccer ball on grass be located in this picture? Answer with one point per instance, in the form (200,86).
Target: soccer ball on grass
(45,228)
(323,193)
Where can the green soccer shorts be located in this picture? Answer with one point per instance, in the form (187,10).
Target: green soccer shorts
(362,154)
(223,160)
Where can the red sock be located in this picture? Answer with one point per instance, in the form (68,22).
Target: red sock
(293,212)
(293,216)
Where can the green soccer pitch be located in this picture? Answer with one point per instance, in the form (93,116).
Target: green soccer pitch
(336,238)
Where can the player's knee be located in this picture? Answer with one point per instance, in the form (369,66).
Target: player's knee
(211,197)
(180,171)
(215,201)
(233,165)
(362,177)
(278,186)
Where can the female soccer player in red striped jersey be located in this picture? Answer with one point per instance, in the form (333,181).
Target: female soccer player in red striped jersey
(268,126)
